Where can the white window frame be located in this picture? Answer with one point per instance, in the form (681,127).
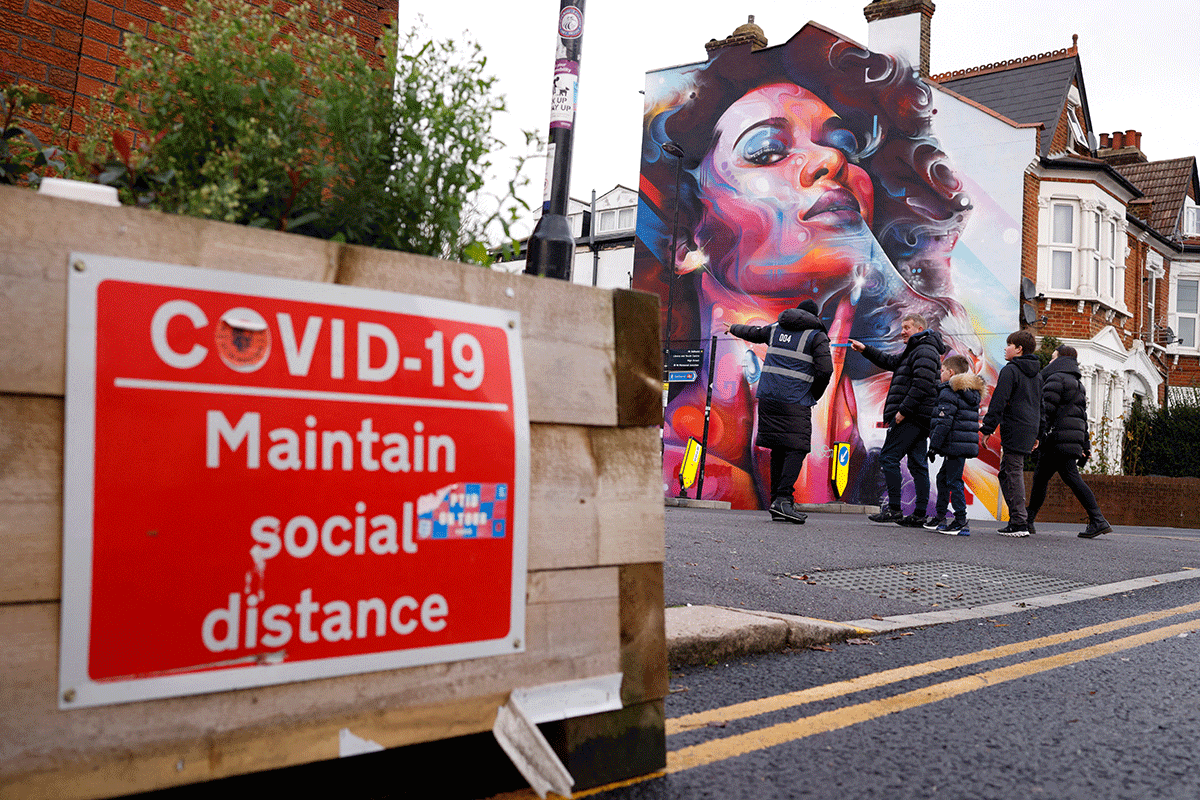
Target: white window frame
(1190,223)
(1181,272)
(1095,247)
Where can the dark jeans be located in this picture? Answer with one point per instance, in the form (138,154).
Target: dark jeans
(906,439)
(1012,484)
(785,469)
(1066,466)
(950,488)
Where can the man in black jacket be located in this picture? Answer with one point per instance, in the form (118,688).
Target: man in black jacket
(1063,441)
(794,376)
(907,410)
(1016,408)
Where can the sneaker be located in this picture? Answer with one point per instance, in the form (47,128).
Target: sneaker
(1094,529)
(934,523)
(954,527)
(784,511)
(887,515)
(912,521)
(1014,528)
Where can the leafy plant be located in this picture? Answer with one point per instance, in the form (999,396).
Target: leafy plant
(282,122)
(21,153)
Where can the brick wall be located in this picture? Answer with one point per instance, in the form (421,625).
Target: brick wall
(1127,500)
(72,48)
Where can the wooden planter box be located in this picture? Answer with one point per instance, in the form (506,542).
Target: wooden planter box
(595,541)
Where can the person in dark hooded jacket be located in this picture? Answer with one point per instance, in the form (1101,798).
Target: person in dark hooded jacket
(954,435)
(907,410)
(795,372)
(1016,408)
(1063,440)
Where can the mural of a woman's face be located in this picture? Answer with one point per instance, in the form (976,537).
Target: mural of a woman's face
(783,207)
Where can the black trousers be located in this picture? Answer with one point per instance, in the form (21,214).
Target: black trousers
(785,470)
(1066,466)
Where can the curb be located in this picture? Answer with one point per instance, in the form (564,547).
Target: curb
(687,502)
(708,634)
(700,634)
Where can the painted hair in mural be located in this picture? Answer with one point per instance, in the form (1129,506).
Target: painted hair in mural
(807,171)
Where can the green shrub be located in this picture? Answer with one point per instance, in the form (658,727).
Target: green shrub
(1163,441)
(283,123)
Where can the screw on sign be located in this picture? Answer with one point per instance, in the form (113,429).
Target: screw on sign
(276,481)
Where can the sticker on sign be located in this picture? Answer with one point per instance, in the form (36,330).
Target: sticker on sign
(271,480)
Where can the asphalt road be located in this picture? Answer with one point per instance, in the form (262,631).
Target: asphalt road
(1062,711)
(741,559)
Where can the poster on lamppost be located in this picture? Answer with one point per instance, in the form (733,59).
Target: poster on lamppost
(270,480)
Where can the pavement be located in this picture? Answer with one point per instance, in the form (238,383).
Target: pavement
(738,584)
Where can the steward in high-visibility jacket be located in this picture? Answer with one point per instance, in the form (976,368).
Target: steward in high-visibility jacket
(795,373)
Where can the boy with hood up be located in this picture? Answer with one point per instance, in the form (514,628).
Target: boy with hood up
(1016,407)
(907,410)
(954,435)
(795,372)
(1064,441)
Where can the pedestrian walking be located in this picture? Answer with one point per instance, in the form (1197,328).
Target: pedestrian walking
(1016,408)
(795,372)
(1064,443)
(954,435)
(906,413)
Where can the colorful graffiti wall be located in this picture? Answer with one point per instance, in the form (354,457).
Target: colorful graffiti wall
(814,170)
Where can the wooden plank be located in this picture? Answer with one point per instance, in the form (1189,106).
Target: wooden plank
(567,329)
(595,496)
(46,752)
(643,634)
(31,444)
(602,485)
(638,358)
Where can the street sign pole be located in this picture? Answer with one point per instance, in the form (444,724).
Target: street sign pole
(712,363)
(552,245)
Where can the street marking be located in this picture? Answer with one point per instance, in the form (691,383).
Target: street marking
(730,747)
(741,744)
(766,705)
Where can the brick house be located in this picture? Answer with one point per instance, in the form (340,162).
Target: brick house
(71,48)
(1110,240)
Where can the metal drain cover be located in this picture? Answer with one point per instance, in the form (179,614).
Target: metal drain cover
(945,584)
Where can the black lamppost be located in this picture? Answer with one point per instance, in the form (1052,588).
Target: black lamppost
(552,245)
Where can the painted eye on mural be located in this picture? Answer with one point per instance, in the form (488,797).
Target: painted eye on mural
(843,140)
(763,145)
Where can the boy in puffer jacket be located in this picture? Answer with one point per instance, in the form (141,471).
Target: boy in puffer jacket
(954,435)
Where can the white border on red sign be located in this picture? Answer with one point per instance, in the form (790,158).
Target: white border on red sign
(85,273)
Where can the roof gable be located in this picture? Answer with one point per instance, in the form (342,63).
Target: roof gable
(1028,91)
(1165,184)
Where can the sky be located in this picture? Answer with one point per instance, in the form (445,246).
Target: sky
(1140,71)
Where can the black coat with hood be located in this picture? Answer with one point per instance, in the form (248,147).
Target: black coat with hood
(795,373)
(1016,405)
(1064,426)
(954,432)
(916,371)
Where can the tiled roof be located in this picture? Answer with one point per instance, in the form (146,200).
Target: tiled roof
(1026,91)
(1165,183)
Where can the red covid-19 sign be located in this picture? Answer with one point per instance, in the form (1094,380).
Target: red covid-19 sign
(270,480)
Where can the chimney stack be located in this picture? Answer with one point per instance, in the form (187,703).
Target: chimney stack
(901,28)
(1124,147)
(749,34)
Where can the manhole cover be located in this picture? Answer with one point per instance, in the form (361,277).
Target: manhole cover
(944,584)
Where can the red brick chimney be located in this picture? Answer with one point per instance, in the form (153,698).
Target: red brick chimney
(1125,147)
(901,27)
(749,34)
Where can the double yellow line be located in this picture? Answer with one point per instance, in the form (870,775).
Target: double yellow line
(716,750)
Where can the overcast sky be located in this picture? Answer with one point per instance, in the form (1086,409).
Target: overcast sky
(1141,70)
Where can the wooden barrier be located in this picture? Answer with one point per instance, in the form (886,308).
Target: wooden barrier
(594,584)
